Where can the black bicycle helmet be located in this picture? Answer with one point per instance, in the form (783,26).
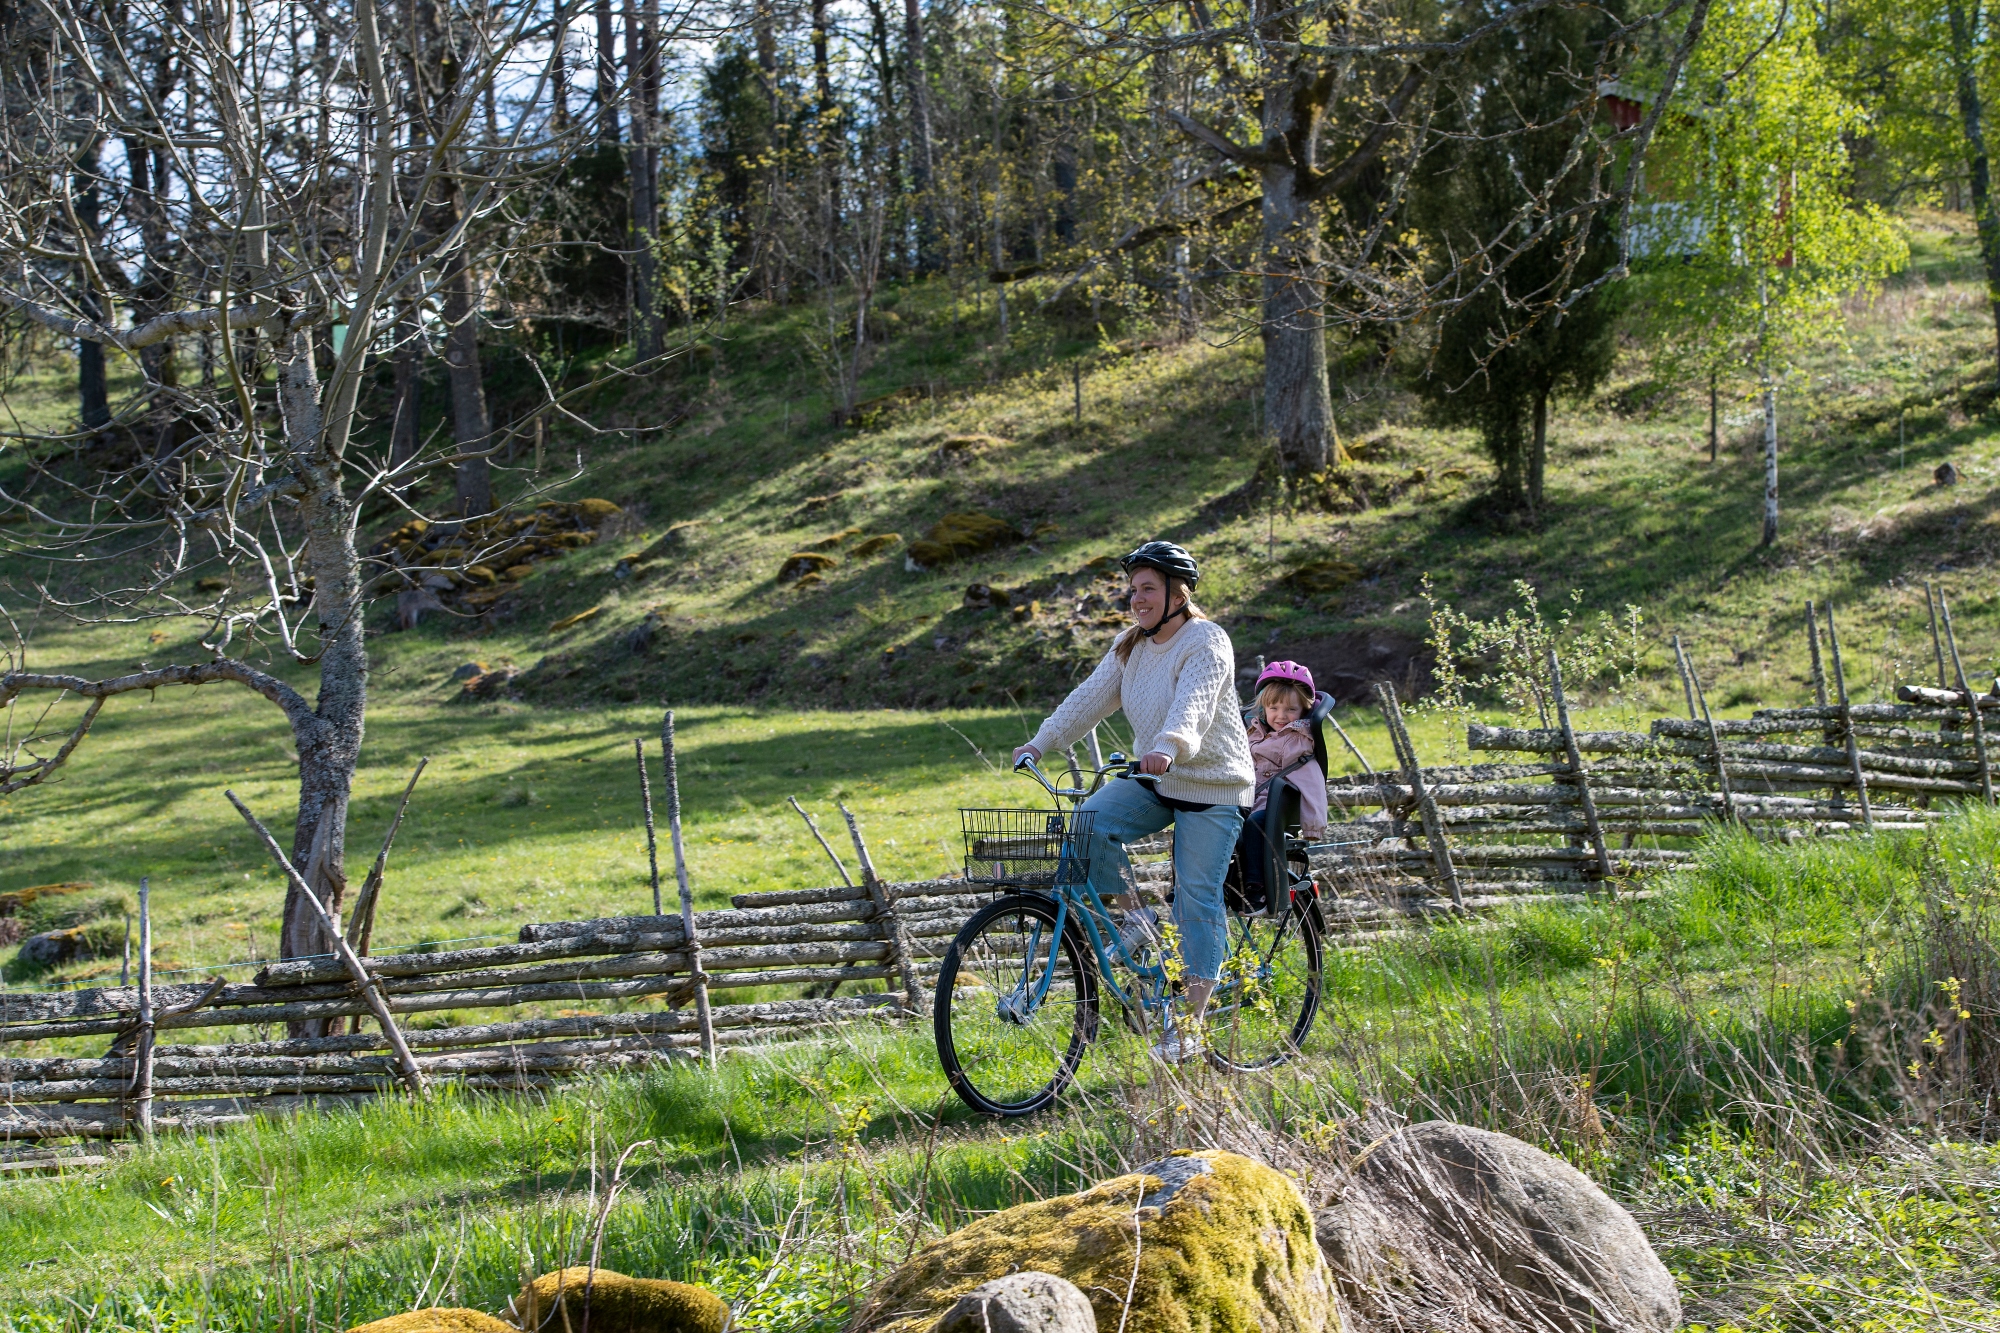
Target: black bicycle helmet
(1170,558)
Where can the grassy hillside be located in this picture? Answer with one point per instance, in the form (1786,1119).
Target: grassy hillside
(1165,444)
(882,687)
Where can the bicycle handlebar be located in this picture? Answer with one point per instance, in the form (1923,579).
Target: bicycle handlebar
(1119,766)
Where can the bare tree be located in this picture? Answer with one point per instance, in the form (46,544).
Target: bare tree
(299,228)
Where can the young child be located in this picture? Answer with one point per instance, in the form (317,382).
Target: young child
(1281,742)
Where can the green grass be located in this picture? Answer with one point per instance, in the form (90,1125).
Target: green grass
(829,1158)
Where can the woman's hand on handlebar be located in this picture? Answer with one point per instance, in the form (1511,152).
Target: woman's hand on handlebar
(1156,763)
(1026,752)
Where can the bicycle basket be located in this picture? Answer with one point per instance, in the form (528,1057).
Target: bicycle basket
(1026,849)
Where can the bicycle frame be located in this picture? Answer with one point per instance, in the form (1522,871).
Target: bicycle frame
(1087,903)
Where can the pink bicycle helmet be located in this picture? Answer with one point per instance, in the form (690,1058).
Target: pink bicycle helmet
(1287,671)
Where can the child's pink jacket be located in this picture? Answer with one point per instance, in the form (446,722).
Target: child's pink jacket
(1271,752)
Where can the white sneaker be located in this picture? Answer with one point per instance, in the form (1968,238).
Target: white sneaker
(1140,928)
(1177,1048)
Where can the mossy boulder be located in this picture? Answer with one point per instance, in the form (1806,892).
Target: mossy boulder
(596,513)
(1319,577)
(956,536)
(619,1304)
(1224,1245)
(875,545)
(442,1319)
(801,564)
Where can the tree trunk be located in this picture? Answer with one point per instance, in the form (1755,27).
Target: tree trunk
(1714,435)
(1538,451)
(1770,460)
(470,427)
(607,74)
(1298,402)
(409,401)
(764,35)
(559,69)
(329,739)
(921,156)
(1972,121)
(643,171)
(93,398)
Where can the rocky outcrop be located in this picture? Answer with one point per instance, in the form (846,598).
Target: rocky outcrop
(1442,1225)
(1205,1242)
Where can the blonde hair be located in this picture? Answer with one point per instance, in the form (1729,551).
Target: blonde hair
(1127,641)
(1298,692)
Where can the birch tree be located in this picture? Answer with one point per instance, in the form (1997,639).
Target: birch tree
(1767,242)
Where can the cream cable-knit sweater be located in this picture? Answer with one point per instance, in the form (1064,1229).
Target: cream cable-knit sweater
(1180,699)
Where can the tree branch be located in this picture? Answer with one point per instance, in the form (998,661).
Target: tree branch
(173,324)
(1215,139)
(1365,153)
(14,776)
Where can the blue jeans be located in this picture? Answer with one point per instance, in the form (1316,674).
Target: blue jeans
(1125,812)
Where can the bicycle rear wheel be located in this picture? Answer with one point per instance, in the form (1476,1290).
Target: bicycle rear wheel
(1261,1010)
(1016,1006)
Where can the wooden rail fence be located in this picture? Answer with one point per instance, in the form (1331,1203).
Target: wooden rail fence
(1557,814)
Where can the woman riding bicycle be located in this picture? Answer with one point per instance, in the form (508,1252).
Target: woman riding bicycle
(1174,674)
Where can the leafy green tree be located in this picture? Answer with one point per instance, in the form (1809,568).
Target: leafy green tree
(1759,241)
(1500,357)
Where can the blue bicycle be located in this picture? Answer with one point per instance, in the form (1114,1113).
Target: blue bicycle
(1018,996)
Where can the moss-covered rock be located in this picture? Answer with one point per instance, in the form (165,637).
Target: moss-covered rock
(956,536)
(619,1304)
(800,564)
(1224,1245)
(439,1320)
(875,545)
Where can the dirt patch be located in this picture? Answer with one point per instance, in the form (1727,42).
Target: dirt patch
(1347,665)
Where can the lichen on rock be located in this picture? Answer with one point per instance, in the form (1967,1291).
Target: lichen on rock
(1223,1245)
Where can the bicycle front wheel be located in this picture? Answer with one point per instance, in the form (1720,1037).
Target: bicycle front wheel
(1261,1010)
(1016,1006)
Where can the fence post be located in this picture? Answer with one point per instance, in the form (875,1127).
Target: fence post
(1582,774)
(696,975)
(1715,746)
(1971,705)
(142,1074)
(1687,685)
(646,803)
(1818,671)
(1847,724)
(1937,648)
(1427,811)
(885,912)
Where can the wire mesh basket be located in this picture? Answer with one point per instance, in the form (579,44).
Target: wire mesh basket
(1026,849)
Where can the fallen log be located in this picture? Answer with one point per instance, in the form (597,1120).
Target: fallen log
(1927,694)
